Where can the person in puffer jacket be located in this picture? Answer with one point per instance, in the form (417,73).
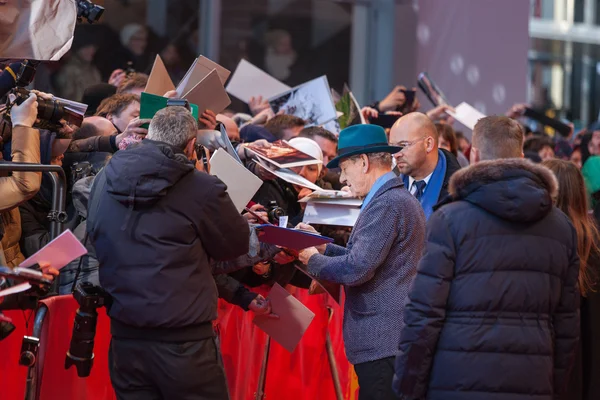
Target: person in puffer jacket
(493,311)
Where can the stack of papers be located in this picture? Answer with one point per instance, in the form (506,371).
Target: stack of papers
(282,155)
(202,84)
(289,238)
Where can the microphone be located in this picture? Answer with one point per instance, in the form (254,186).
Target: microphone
(8,78)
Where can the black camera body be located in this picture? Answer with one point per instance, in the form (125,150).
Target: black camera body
(88,10)
(81,349)
(50,112)
(274,212)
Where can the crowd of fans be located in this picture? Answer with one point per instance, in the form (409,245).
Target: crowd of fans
(112,130)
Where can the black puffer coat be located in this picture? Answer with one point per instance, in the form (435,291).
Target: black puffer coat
(493,311)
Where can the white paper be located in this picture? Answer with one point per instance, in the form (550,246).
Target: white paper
(310,101)
(250,81)
(331,213)
(467,115)
(21,287)
(59,252)
(36,29)
(283,221)
(74,106)
(242,184)
(289,176)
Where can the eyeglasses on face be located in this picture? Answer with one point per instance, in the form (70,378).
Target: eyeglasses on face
(407,144)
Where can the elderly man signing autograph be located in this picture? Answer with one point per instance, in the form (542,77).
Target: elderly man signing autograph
(380,261)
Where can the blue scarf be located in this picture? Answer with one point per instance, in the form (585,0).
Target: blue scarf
(432,190)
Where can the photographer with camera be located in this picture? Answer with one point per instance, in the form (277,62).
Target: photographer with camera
(19,186)
(155,222)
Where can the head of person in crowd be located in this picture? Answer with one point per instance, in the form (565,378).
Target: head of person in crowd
(233,131)
(326,140)
(496,137)
(120,109)
(52,148)
(462,142)
(310,172)
(447,138)
(363,157)
(285,127)
(93,96)
(84,45)
(134,37)
(541,145)
(417,137)
(572,199)
(133,84)
(175,126)
(94,126)
(575,157)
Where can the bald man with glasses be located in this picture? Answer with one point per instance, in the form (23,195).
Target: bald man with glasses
(424,167)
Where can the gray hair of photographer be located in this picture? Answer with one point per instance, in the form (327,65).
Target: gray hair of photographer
(173,125)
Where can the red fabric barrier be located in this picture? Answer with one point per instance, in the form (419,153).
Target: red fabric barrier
(303,374)
(56,381)
(13,376)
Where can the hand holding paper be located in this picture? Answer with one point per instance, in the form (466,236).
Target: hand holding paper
(56,254)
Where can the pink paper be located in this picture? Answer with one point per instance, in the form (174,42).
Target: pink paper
(294,319)
(59,252)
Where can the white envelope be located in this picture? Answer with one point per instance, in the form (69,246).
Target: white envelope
(59,252)
(250,81)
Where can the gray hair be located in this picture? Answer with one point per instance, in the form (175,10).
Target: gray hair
(173,125)
(380,160)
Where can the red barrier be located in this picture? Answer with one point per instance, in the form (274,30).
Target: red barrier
(13,376)
(303,374)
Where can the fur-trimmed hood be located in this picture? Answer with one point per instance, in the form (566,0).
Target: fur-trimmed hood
(513,189)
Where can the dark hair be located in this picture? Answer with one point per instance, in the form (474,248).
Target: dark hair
(279,123)
(572,200)
(446,131)
(115,104)
(537,143)
(498,137)
(313,131)
(136,80)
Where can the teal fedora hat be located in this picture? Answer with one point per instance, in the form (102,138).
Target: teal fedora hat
(362,139)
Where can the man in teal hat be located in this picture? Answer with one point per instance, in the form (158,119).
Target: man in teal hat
(378,265)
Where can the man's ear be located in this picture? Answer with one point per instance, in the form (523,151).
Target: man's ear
(429,144)
(190,148)
(475,156)
(110,117)
(365,163)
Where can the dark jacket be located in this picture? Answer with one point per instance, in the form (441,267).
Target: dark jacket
(156,222)
(452,166)
(493,311)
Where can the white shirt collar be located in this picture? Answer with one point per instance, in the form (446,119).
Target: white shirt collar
(411,180)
